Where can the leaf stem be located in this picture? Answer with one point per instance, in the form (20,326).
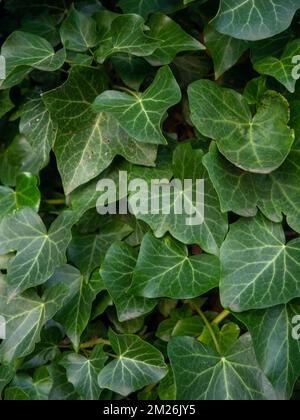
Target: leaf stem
(207,324)
(93,342)
(219,318)
(57,201)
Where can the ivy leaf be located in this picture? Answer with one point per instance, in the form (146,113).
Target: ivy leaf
(26,194)
(39,252)
(88,251)
(187,164)
(25,316)
(120,40)
(225,50)
(254,19)
(38,128)
(117,272)
(81,132)
(173,39)
(259,269)
(202,374)
(76,312)
(164,269)
(276,350)
(258,143)
(140,115)
(83,373)
(78,31)
(23,52)
(132,70)
(137,364)
(281,69)
(62,389)
(36,388)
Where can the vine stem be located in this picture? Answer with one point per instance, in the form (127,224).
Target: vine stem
(55,201)
(219,318)
(93,342)
(207,324)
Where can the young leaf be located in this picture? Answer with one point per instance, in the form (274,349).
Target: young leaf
(258,143)
(137,364)
(164,269)
(117,272)
(140,115)
(36,388)
(202,374)
(254,19)
(259,269)
(83,373)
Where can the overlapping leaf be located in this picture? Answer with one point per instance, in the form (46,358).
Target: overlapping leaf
(141,114)
(23,52)
(165,269)
(259,269)
(117,272)
(137,364)
(258,143)
(202,374)
(254,19)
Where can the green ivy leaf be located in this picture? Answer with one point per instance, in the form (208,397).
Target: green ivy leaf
(36,388)
(5,102)
(61,390)
(202,374)
(164,269)
(259,268)
(258,143)
(254,19)
(24,52)
(140,115)
(83,373)
(276,349)
(38,128)
(137,364)
(117,272)
(173,39)
(25,316)
(120,40)
(81,132)
(39,252)
(225,50)
(26,194)
(281,69)
(78,31)
(76,312)
(187,164)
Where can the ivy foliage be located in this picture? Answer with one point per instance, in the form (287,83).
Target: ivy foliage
(146,306)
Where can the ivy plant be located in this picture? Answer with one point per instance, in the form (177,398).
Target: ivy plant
(109,305)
